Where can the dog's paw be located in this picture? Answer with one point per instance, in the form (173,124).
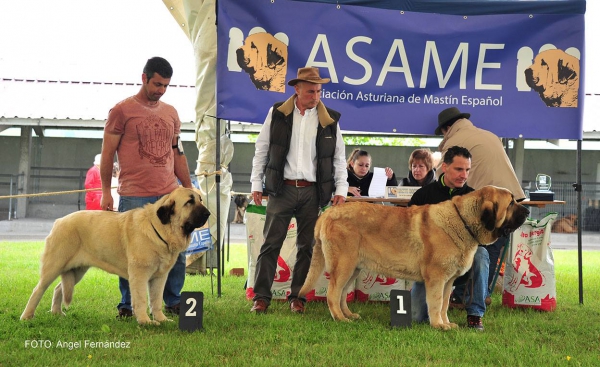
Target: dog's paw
(444,327)
(146,321)
(26,316)
(353,316)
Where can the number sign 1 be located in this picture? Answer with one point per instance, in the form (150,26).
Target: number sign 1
(400,308)
(191,311)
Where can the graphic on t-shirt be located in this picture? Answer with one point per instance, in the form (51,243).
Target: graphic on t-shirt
(154,138)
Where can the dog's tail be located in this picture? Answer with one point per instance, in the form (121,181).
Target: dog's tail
(317,264)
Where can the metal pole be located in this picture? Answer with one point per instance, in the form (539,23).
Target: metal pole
(578,188)
(10,200)
(218,193)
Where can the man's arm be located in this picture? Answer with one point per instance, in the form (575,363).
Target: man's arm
(110,142)
(182,171)
(340,173)
(260,159)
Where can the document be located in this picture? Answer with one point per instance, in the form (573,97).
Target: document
(377,187)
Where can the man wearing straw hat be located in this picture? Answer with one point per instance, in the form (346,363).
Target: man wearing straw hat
(300,155)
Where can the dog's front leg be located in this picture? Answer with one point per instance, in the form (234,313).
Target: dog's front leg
(435,292)
(156,287)
(445,301)
(138,281)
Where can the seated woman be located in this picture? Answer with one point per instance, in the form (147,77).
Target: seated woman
(359,176)
(420,165)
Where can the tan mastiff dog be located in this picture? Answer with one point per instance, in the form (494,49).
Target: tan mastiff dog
(140,245)
(431,243)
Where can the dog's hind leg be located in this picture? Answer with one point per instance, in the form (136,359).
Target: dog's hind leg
(36,295)
(50,269)
(63,292)
(343,302)
(340,273)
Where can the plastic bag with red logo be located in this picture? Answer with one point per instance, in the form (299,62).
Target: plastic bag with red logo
(529,279)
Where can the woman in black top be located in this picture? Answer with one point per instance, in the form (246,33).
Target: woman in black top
(420,165)
(359,175)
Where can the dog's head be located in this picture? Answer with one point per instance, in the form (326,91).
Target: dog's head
(240,200)
(500,212)
(183,209)
(572,219)
(555,76)
(490,213)
(264,58)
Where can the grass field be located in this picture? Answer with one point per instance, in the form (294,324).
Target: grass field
(232,336)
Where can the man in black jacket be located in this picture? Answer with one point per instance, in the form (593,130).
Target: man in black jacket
(300,155)
(453,182)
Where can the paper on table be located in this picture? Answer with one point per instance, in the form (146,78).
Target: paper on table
(377,187)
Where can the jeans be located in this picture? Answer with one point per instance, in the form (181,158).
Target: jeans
(176,277)
(302,203)
(475,305)
(494,251)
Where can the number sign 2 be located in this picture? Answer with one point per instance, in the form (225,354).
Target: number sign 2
(191,311)
(400,308)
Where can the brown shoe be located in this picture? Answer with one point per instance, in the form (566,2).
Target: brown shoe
(297,306)
(260,306)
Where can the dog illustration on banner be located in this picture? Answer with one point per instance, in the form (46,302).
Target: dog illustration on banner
(525,272)
(262,56)
(554,74)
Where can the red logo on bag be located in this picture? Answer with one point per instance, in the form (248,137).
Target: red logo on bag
(283,273)
(530,276)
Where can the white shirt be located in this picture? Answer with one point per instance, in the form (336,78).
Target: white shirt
(301,161)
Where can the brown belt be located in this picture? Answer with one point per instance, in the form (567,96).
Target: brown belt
(298,183)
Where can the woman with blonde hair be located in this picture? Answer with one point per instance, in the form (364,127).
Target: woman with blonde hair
(359,174)
(420,166)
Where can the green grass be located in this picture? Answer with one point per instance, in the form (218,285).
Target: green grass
(232,336)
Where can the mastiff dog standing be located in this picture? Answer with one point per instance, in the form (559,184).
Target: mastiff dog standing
(140,245)
(431,243)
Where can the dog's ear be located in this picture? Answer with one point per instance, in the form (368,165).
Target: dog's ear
(165,212)
(274,58)
(489,211)
(566,71)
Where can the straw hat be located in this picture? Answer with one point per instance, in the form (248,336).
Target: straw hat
(310,75)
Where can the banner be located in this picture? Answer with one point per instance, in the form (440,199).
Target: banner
(393,71)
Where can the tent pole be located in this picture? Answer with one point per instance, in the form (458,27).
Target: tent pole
(218,191)
(578,188)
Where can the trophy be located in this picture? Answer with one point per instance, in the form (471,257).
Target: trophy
(543,183)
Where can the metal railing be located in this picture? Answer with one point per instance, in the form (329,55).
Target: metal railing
(590,203)
(14,182)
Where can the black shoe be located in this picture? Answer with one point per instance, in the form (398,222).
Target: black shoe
(474,322)
(124,313)
(172,310)
(455,302)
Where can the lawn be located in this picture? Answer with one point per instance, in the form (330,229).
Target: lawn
(232,336)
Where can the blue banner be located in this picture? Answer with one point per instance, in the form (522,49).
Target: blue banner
(394,71)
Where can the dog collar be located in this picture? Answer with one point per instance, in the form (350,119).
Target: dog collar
(467,227)
(158,234)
